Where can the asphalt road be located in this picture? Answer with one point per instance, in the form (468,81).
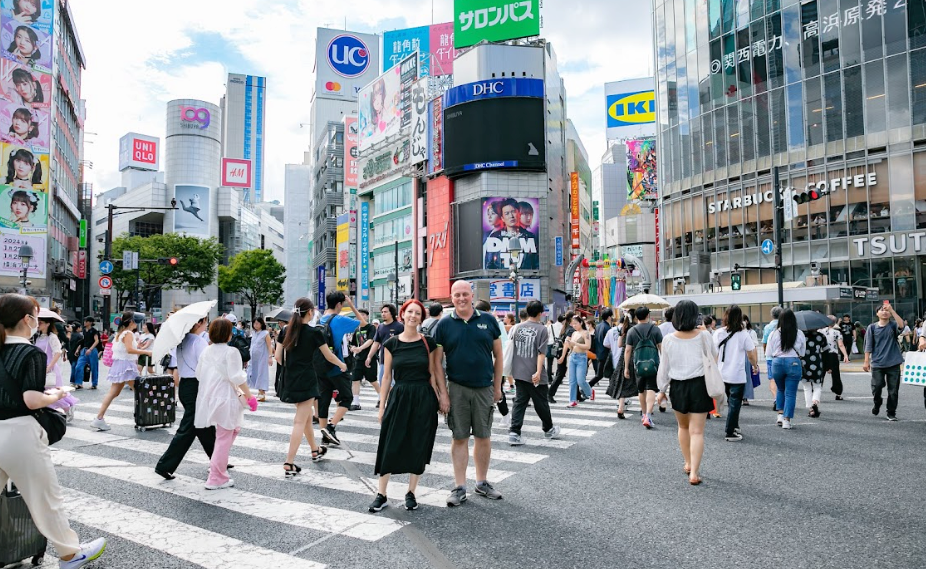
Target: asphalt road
(839,491)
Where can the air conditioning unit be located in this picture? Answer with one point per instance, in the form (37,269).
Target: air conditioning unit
(60,267)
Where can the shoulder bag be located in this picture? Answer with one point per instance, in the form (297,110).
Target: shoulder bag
(54,423)
(712,378)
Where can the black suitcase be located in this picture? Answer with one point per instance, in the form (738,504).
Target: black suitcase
(155,402)
(19,538)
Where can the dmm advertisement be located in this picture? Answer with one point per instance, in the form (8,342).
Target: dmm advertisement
(641,169)
(382,109)
(193,214)
(494,20)
(507,219)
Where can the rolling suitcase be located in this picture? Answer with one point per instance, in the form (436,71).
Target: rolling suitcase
(155,402)
(19,538)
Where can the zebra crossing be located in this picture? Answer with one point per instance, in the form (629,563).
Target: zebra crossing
(324,505)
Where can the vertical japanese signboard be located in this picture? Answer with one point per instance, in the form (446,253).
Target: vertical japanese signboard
(574,208)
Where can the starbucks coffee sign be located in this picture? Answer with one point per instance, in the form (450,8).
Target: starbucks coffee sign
(823,186)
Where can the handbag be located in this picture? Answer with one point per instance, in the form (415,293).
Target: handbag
(712,378)
(914,369)
(508,354)
(54,423)
(756,379)
(108,354)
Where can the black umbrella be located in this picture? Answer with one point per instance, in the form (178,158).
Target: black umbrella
(281,314)
(812,320)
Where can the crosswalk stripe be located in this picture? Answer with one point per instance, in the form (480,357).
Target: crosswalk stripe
(184,541)
(308,516)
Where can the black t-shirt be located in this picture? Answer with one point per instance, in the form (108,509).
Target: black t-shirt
(846,328)
(361,336)
(90,336)
(386,331)
(300,371)
(25,367)
(410,360)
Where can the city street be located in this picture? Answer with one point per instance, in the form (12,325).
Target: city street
(839,491)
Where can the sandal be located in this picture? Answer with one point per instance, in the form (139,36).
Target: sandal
(694,481)
(291,469)
(687,470)
(318,453)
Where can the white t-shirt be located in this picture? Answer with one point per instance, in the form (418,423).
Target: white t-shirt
(732,361)
(833,336)
(666,328)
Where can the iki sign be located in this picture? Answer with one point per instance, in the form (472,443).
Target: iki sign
(823,186)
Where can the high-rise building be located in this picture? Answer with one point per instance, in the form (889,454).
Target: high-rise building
(243,120)
(299,230)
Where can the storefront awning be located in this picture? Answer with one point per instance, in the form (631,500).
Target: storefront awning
(765,294)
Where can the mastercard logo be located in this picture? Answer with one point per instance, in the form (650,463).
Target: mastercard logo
(332,86)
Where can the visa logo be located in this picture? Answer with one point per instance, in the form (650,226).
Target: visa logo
(628,109)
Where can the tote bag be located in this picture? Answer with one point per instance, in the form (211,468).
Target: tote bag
(712,378)
(914,369)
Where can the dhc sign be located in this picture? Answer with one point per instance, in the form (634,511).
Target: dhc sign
(627,109)
(504,87)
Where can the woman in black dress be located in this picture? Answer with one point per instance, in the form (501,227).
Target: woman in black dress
(295,352)
(623,388)
(407,412)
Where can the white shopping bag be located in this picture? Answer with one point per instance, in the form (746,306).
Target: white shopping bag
(914,369)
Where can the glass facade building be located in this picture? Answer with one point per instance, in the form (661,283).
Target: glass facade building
(833,93)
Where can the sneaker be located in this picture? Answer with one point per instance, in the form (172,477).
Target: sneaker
(164,474)
(100,424)
(89,551)
(892,417)
(379,502)
(69,415)
(551,400)
(229,484)
(734,437)
(815,410)
(78,387)
(457,496)
(786,423)
(354,407)
(781,419)
(410,502)
(572,405)
(486,489)
(840,398)
(647,422)
(876,409)
(330,436)
(514,439)
(553,432)
(592,398)
(737,431)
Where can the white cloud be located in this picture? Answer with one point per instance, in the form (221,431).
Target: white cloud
(135,67)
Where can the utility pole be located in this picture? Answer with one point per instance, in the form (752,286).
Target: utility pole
(397,273)
(779,223)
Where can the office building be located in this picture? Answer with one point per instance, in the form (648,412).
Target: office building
(243,123)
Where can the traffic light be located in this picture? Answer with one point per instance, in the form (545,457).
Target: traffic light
(808,196)
(171,261)
(736,282)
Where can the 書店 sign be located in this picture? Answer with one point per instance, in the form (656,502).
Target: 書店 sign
(823,186)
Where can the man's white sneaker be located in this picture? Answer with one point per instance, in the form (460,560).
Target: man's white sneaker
(99,424)
(786,424)
(88,552)
(781,419)
(229,484)
(553,432)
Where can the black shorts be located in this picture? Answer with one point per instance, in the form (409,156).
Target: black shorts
(361,371)
(690,396)
(645,384)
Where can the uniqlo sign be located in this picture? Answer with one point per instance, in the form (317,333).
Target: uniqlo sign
(574,208)
(236,173)
(138,151)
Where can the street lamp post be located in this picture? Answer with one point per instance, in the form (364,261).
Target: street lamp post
(393,281)
(514,252)
(25,256)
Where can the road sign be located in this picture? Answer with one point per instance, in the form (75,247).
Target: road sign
(106,282)
(106,267)
(106,291)
(768,247)
(127,261)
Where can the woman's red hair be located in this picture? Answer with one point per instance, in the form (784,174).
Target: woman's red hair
(408,303)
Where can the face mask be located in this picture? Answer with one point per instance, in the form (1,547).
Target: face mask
(34,330)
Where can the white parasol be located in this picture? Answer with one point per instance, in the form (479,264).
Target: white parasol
(49,315)
(651,301)
(177,325)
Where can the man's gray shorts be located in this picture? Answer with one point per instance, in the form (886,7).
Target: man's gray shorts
(471,411)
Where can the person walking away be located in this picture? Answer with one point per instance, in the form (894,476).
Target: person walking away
(335,327)
(859,337)
(883,358)
(848,331)
(813,370)
(605,366)
(665,329)
(124,369)
(766,333)
(88,355)
(749,393)
(408,412)
(579,343)
(295,354)
(621,388)
(361,344)
(786,346)
(735,347)
(561,367)
(644,342)
(550,353)
(681,373)
(185,361)
(26,459)
(261,353)
(390,327)
(145,342)
(531,379)
(484,306)
(834,346)
(434,315)
(48,342)
(471,341)
(75,341)
(221,378)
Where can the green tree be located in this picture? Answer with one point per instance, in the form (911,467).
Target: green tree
(256,275)
(196,268)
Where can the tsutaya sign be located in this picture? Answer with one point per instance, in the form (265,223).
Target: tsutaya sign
(823,186)
(890,245)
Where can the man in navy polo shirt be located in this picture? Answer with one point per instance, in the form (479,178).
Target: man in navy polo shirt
(472,341)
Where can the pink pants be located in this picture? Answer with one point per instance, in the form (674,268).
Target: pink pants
(218,466)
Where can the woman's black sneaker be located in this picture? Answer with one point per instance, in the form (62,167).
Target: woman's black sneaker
(410,502)
(379,502)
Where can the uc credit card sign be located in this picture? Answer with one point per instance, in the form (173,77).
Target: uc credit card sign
(629,109)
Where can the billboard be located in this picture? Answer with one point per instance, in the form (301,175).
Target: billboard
(25,126)
(341,269)
(193,214)
(139,151)
(419,123)
(344,63)
(26,44)
(574,208)
(384,163)
(23,211)
(436,136)
(365,251)
(502,290)
(236,173)
(351,151)
(22,168)
(493,88)
(494,20)
(434,44)
(506,132)
(36,14)
(440,237)
(641,169)
(23,86)
(384,103)
(505,219)
(631,108)
(11,264)
(442,51)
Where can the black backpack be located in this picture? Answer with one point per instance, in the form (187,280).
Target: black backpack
(243,345)
(321,365)
(646,354)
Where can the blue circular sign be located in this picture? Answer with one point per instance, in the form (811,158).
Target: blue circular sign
(768,246)
(106,267)
(348,56)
